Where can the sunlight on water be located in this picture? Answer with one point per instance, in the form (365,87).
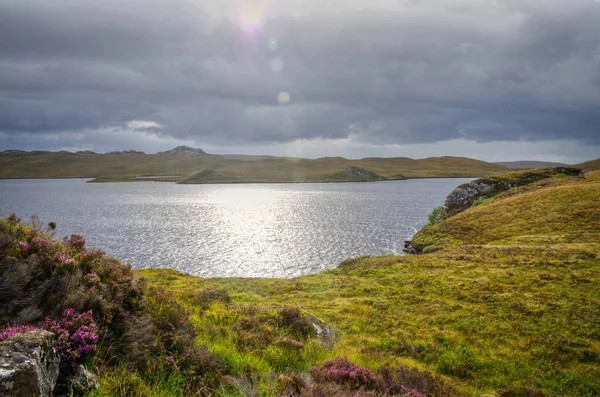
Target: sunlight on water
(261,230)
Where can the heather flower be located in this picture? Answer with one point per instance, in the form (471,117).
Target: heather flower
(406,392)
(41,242)
(291,343)
(42,246)
(6,333)
(76,242)
(93,278)
(66,260)
(24,245)
(75,336)
(344,372)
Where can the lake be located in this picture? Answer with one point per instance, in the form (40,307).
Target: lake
(246,230)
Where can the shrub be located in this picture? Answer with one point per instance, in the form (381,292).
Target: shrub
(404,381)
(9,331)
(437,215)
(75,337)
(291,317)
(343,372)
(207,296)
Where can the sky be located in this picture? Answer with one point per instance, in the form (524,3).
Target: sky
(496,80)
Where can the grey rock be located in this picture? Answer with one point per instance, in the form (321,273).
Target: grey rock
(323,330)
(83,380)
(463,196)
(28,365)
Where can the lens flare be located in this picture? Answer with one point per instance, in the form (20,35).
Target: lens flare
(284,98)
(276,65)
(273,44)
(252,13)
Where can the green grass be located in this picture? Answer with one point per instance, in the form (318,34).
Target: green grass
(509,299)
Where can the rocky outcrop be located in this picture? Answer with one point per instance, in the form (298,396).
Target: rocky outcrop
(465,195)
(28,365)
(364,174)
(408,247)
(184,151)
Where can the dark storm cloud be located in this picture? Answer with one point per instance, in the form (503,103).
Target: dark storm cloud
(431,71)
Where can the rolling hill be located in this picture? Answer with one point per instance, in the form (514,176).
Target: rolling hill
(529,164)
(188,165)
(588,166)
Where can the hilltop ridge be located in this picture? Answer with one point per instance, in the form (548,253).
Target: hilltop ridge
(189,165)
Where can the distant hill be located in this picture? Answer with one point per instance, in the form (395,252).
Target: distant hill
(188,165)
(588,166)
(530,164)
(184,151)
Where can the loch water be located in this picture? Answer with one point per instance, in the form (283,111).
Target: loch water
(245,230)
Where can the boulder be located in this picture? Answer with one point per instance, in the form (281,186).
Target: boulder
(322,329)
(28,365)
(83,380)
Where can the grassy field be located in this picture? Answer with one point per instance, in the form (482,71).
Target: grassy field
(508,302)
(208,168)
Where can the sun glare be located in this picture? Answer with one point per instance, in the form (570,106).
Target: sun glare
(252,13)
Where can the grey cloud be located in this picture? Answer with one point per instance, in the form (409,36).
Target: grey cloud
(425,72)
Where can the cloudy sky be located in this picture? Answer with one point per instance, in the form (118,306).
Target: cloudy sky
(489,79)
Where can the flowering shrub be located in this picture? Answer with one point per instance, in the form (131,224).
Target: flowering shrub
(406,392)
(75,243)
(75,336)
(24,246)
(344,372)
(65,260)
(289,343)
(7,332)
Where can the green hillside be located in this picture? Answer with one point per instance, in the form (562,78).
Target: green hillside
(180,166)
(592,165)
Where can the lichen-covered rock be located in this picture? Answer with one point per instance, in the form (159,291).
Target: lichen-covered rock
(465,195)
(28,365)
(83,380)
(322,329)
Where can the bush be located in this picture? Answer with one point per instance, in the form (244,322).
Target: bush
(291,317)
(9,331)
(403,380)
(75,338)
(437,215)
(343,372)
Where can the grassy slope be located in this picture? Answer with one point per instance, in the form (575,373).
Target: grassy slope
(125,167)
(592,165)
(510,299)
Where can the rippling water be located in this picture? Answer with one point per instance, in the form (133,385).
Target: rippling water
(248,230)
